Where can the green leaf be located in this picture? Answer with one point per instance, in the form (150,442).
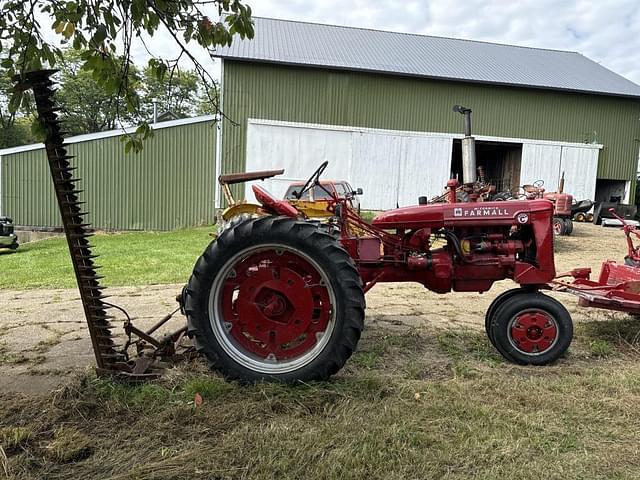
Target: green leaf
(100,35)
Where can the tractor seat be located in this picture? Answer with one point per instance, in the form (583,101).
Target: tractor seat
(233,178)
(281,207)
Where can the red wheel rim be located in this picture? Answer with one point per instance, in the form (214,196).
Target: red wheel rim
(533,332)
(275,308)
(557,227)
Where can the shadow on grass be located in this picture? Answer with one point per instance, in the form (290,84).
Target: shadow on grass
(612,334)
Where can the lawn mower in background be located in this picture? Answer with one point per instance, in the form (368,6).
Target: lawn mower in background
(580,211)
(8,238)
(314,201)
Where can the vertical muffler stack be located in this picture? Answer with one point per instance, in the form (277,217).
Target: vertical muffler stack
(468,147)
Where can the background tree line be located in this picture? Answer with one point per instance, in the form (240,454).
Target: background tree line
(88,108)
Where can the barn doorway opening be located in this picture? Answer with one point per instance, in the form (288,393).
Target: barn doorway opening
(500,161)
(616,191)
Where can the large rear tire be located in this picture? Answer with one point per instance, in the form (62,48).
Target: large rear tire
(559,227)
(531,329)
(274,298)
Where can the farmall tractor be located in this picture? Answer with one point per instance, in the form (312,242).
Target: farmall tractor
(278,297)
(562,205)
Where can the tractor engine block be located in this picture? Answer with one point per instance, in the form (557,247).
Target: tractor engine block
(459,246)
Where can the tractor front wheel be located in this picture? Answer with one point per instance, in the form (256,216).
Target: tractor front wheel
(274,298)
(531,329)
(495,304)
(568,226)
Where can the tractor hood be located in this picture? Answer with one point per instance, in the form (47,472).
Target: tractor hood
(440,215)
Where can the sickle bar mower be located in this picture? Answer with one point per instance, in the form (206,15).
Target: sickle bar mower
(111,358)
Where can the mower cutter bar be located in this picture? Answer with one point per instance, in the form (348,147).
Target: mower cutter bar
(111,358)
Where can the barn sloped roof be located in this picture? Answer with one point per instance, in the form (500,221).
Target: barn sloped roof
(359,49)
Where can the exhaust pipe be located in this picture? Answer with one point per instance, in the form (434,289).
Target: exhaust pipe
(468,147)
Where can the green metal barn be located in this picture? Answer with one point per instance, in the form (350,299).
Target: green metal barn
(378,106)
(166,186)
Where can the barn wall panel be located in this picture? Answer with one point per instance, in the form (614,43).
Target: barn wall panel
(170,184)
(580,166)
(308,95)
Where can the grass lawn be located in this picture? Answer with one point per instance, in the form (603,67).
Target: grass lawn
(417,400)
(135,258)
(425,405)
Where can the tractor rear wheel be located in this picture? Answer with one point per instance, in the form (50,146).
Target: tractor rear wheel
(558,226)
(274,298)
(531,329)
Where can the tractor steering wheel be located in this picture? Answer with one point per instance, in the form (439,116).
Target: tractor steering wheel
(313,179)
(538,183)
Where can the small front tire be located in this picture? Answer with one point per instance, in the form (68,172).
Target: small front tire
(495,304)
(531,329)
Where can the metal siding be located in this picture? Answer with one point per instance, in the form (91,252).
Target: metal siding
(377,101)
(299,150)
(541,162)
(425,168)
(170,184)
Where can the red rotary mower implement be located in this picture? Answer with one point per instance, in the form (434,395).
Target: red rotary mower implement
(618,286)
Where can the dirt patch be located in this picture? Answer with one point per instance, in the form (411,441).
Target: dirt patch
(43,336)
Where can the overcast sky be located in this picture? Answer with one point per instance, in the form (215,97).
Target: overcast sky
(605,31)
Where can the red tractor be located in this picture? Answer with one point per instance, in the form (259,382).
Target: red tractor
(562,205)
(278,297)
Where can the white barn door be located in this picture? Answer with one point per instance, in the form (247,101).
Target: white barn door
(391,167)
(375,167)
(580,167)
(425,168)
(541,162)
(300,151)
